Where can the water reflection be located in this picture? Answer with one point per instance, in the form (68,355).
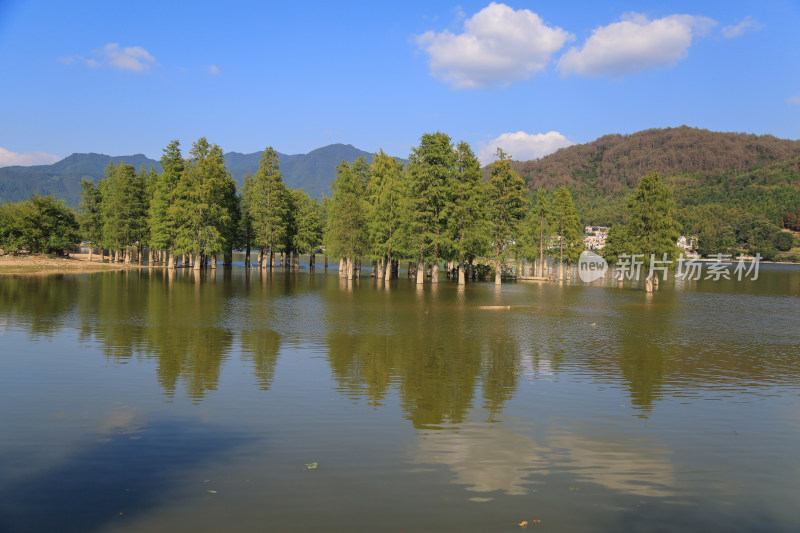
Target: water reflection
(440,347)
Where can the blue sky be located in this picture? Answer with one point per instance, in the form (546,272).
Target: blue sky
(127,77)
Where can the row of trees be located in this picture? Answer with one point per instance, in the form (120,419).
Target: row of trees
(438,208)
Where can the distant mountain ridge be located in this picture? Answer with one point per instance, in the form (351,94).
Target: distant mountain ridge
(314,172)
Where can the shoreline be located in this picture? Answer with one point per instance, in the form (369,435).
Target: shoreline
(44,265)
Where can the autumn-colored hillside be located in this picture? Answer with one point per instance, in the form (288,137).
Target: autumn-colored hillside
(739,173)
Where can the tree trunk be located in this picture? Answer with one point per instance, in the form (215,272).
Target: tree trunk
(375,268)
(387,268)
(90,253)
(311,261)
(198,262)
(412,269)
(471,275)
(342,266)
(561,262)
(357,268)
(271,258)
(325,258)
(213,262)
(171,262)
(435,272)
(420,271)
(462,278)
(497,271)
(296,260)
(541,249)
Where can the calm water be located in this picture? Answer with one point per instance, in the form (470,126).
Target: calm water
(132,401)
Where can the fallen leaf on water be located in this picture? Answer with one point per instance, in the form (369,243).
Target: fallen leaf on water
(212,491)
(311,466)
(524,523)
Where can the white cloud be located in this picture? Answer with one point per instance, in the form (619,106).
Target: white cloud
(793,100)
(133,58)
(747,25)
(634,44)
(26,159)
(213,69)
(499,45)
(523,146)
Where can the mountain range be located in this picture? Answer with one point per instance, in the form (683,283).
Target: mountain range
(314,172)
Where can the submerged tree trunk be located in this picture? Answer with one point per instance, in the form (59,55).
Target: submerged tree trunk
(412,269)
(497,271)
(342,265)
(213,260)
(271,258)
(420,271)
(462,277)
(171,262)
(561,263)
(435,272)
(311,261)
(325,259)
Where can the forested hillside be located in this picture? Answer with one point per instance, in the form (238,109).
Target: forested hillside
(716,177)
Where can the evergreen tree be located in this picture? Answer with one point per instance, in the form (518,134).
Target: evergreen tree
(205,199)
(266,198)
(467,213)
(91,220)
(568,229)
(507,206)
(384,193)
(345,233)
(539,227)
(308,224)
(163,217)
(430,180)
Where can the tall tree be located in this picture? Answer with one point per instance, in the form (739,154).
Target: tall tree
(91,219)
(467,214)
(651,228)
(567,227)
(205,199)
(384,191)
(539,222)
(163,219)
(430,172)
(345,232)
(308,225)
(507,207)
(267,205)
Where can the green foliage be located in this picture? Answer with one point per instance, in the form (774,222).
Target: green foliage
(506,204)
(267,203)
(384,205)
(40,225)
(467,221)
(91,218)
(430,186)
(651,228)
(567,227)
(784,241)
(124,207)
(307,236)
(162,220)
(205,203)
(346,231)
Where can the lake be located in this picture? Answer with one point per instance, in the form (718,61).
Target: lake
(236,401)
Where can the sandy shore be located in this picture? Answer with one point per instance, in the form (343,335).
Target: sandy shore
(42,264)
